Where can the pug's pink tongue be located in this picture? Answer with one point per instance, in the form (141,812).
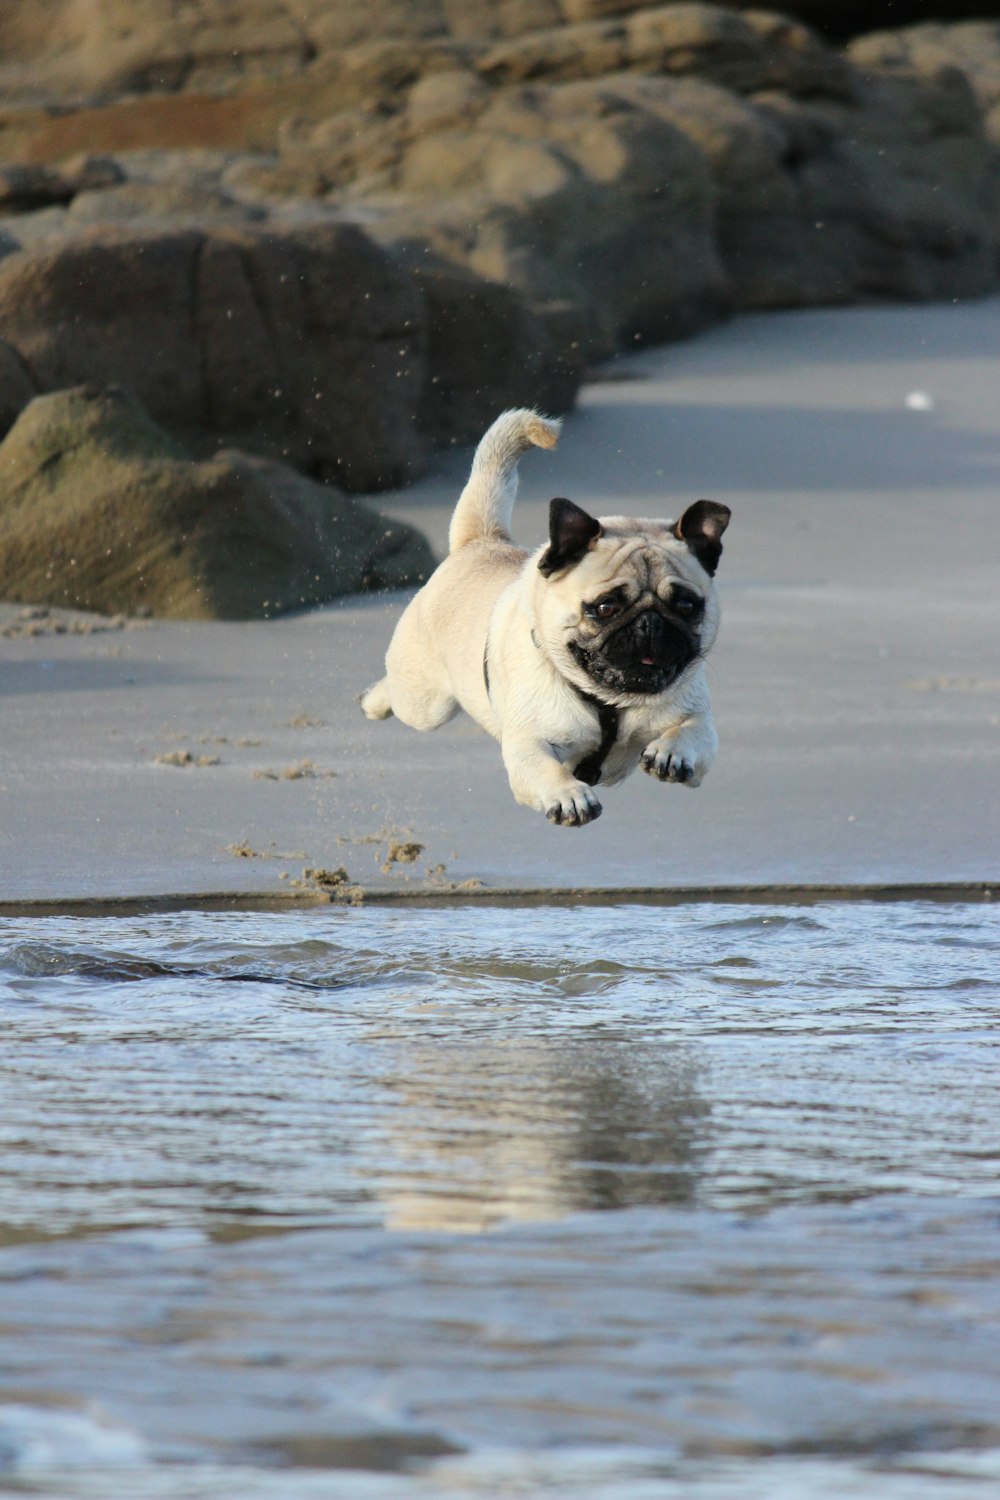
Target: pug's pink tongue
(648,661)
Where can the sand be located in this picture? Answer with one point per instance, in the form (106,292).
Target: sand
(856,679)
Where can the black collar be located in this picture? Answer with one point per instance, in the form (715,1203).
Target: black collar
(608,717)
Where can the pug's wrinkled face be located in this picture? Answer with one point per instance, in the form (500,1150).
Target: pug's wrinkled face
(630,603)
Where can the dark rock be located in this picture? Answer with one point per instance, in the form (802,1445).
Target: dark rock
(25,188)
(935,53)
(16,387)
(572,193)
(101,510)
(28,187)
(307,346)
(840,19)
(310,345)
(781,175)
(487,350)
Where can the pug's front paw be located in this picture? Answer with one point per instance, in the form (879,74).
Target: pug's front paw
(575,806)
(671,763)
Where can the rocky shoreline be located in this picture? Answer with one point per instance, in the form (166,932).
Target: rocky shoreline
(340,243)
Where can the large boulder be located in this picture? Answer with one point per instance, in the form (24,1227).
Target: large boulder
(310,345)
(306,345)
(101,510)
(734,163)
(659,167)
(937,52)
(487,350)
(892,192)
(576,194)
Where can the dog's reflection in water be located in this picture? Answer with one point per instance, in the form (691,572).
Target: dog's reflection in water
(536,1131)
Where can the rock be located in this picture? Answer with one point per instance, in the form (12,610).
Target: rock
(77,49)
(307,345)
(444,99)
(729,162)
(88,173)
(311,344)
(25,188)
(487,350)
(178,203)
(571,194)
(101,510)
(741,52)
(71,51)
(644,169)
(818,201)
(935,51)
(16,387)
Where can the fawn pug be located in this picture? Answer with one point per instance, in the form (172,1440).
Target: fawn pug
(583,658)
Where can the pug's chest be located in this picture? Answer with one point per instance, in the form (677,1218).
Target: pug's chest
(605,758)
(620,761)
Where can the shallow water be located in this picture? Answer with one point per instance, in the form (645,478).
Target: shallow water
(615,1202)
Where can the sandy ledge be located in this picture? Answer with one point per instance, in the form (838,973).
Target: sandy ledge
(856,680)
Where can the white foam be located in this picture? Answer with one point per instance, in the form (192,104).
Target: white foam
(46,1438)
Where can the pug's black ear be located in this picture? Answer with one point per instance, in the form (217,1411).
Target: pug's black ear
(571,532)
(701,526)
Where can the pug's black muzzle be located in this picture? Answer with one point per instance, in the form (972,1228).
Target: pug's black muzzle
(645,655)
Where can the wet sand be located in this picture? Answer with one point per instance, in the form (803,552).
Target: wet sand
(856,680)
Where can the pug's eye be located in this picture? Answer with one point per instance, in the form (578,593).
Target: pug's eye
(606,609)
(686,606)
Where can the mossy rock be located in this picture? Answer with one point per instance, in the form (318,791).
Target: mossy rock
(100,509)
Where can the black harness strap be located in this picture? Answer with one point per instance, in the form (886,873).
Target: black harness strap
(590,768)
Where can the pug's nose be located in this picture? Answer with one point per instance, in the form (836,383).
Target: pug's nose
(648,636)
(649,628)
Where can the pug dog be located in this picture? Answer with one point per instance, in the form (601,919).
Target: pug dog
(584,658)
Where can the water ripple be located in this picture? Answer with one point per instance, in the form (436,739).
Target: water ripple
(569,1201)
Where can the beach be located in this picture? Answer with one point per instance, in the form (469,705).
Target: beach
(365,1135)
(856,679)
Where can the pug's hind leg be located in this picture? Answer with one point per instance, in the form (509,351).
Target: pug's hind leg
(420,699)
(376,703)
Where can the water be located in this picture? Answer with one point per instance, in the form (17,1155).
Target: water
(602,1202)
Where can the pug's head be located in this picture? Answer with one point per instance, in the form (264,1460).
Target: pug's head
(624,607)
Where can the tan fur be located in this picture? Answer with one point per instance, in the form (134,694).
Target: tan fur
(489,598)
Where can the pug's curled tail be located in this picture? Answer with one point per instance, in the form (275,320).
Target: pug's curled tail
(484,506)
